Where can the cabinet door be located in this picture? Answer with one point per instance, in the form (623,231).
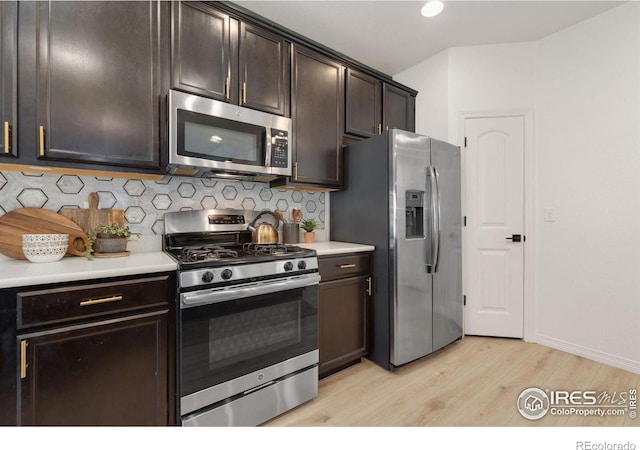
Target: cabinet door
(8,67)
(343,322)
(399,109)
(204,51)
(317,113)
(264,70)
(363,115)
(112,372)
(98,81)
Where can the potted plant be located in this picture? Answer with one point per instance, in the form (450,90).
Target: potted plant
(109,238)
(309,225)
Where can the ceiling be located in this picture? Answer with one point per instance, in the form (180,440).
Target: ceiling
(392,36)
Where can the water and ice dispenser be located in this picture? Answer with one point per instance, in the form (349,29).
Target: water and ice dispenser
(414,204)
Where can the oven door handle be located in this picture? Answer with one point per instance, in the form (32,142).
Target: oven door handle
(189,299)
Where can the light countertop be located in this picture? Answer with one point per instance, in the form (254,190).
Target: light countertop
(15,273)
(336,248)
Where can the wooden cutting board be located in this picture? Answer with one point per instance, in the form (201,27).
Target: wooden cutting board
(35,221)
(88,219)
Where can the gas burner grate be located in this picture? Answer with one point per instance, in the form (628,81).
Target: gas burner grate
(206,253)
(251,248)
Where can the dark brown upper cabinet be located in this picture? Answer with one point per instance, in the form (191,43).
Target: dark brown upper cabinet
(99,84)
(399,109)
(203,60)
(220,57)
(363,108)
(8,78)
(373,106)
(265,68)
(317,113)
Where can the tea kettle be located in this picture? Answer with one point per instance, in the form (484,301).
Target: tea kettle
(264,233)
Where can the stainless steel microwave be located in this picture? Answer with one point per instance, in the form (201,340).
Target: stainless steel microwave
(210,138)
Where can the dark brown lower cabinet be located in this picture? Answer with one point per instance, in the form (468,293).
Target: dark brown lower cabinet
(106,373)
(97,353)
(344,311)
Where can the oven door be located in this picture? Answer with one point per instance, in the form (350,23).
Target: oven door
(234,345)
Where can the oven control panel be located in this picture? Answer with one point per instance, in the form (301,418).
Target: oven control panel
(226,219)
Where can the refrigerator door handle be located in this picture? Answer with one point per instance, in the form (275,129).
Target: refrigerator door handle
(432,250)
(436,195)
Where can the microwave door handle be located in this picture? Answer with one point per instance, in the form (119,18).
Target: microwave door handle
(267,147)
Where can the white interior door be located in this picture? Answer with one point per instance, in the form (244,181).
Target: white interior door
(494,192)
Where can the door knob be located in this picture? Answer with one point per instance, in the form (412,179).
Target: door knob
(517,238)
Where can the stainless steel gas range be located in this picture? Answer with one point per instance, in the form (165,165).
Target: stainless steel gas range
(248,320)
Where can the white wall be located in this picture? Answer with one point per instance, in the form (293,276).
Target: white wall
(490,79)
(588,169)
(582,86)
(431,79)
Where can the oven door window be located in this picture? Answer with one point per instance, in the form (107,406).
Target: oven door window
(226,340)
(216,138)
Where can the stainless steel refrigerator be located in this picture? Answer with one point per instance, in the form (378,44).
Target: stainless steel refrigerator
(403,195)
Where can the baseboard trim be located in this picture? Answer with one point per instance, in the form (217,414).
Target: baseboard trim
(585,352)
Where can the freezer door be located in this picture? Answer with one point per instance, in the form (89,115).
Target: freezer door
(447,278)
(411,315)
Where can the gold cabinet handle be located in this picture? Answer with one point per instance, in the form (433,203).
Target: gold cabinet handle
(23,359)
(295,170)
(379,128)
(347,266)
(7,143)
(244,93)
(227,88)
(41,134)
(369,285)
(96,301)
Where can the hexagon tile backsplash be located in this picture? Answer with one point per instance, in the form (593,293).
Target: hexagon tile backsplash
(144,202)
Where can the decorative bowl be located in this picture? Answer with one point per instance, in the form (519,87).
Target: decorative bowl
(44,247)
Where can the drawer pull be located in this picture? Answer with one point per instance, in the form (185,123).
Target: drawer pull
(369,285)
(23,359)
(347,266)
(91,301)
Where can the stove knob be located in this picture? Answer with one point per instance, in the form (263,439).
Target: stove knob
(288,266)
(302,265)
(226,274)
(207,277)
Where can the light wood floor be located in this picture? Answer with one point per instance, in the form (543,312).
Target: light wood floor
(473,382)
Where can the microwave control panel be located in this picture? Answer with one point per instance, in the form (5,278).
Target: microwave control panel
(279,148)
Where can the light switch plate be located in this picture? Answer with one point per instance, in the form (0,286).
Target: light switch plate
(549,214)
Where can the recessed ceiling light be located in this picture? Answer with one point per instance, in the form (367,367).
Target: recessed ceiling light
(432,8)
